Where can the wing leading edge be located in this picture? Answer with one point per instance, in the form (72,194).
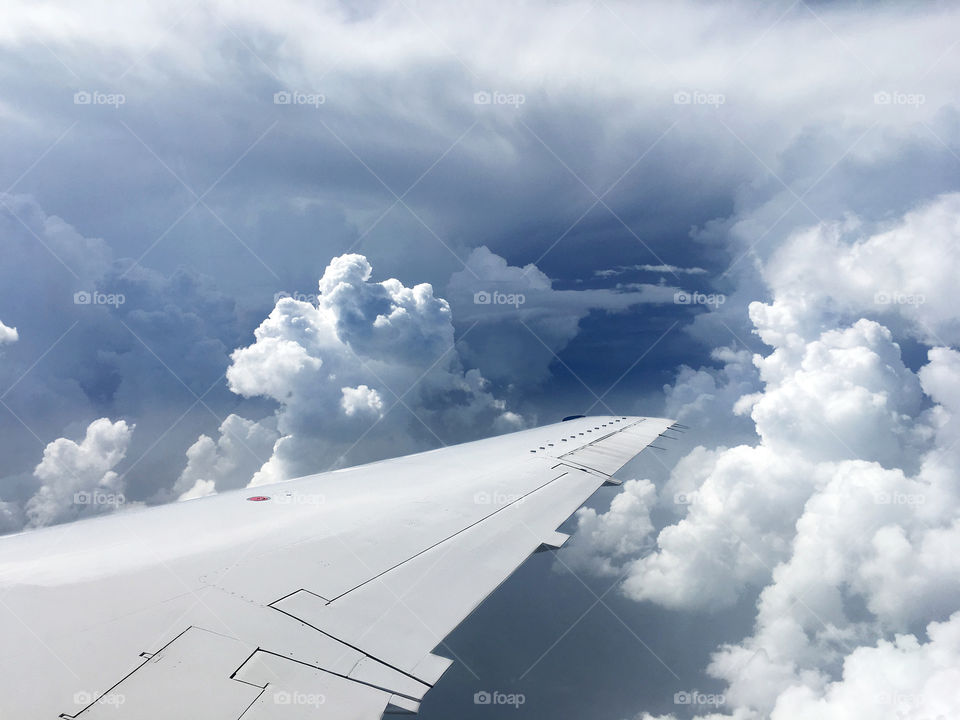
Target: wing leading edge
(327,600)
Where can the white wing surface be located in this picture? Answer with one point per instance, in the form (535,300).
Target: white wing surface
(327,599)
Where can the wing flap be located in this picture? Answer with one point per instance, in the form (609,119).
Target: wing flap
(611,451)
(400,616)
(295,691)
(190,677)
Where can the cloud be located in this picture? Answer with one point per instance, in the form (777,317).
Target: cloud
(843,510)
(372,361)
(362,400)
(672,269)
(502,184)
(230,462)
(867,538)
(48,246)
(903,678)
(107,338)
(902,274)
(7,334)
(602,540)
(711,400)
(739,504)
(870,533)
(507,312)
(845,394)
(662,268)
(11,517)
(78,479)
(881,505)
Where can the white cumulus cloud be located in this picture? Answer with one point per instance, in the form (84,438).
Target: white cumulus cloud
(78,479)
(903,273)
(372,361)
(845,511)
(230,461)
(904,679)
(7,334)
(361,399)
(602,541)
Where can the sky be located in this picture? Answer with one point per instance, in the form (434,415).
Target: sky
(241,242)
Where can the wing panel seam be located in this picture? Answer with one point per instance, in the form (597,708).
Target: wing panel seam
(436,544)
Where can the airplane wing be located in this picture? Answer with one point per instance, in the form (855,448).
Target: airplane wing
(322,597)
